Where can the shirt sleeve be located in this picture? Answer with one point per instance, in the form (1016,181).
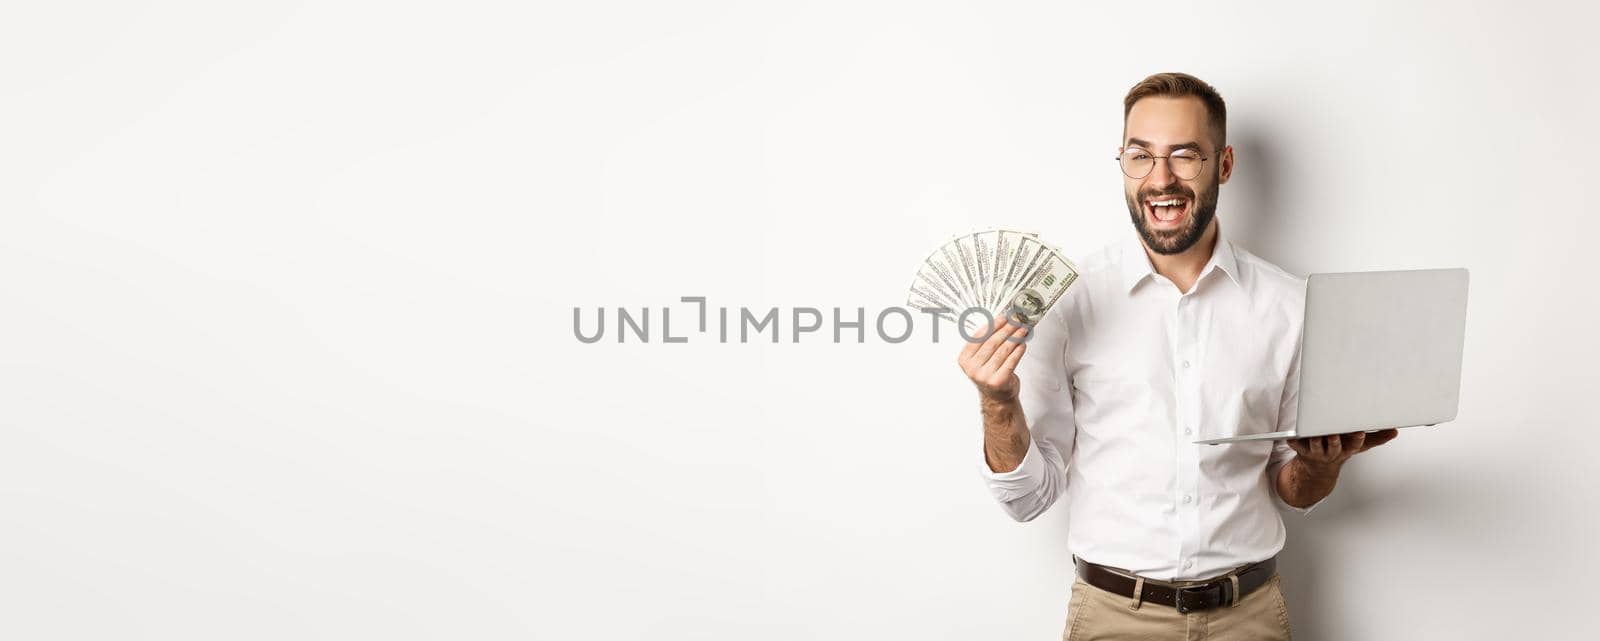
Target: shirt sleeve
(1288,412)
(1046,399)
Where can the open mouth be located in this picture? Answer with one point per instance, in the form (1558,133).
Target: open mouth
(1166,211)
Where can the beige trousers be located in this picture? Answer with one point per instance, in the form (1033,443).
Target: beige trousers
(1094,614)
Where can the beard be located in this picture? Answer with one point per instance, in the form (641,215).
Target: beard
(1175,241)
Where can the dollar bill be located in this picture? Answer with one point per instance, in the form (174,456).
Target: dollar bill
(983,264)
(1043,288)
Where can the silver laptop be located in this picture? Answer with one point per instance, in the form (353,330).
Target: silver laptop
(1379,350)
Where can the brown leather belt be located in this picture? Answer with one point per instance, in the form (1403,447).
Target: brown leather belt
(1187,598)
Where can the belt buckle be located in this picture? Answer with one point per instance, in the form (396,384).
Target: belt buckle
(1177,600)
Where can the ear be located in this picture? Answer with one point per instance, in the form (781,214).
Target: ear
(1225,165)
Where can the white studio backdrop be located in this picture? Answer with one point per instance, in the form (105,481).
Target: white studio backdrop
(287,293)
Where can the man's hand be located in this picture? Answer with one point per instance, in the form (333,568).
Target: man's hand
(1331,452)
(992,362)
(1311,475)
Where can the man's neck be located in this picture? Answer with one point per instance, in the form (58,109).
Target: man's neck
(1183,268)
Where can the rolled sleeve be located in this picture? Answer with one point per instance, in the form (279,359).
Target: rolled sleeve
(1017,483)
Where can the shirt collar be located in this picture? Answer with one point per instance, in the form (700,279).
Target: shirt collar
(1136,263)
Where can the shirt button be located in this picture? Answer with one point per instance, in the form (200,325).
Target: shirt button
(1189,563)
(1187,431)
(1187,498)
(1186,364)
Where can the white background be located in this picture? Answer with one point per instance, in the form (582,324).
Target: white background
(286,299)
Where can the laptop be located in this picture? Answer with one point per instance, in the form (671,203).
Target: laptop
(1378,350)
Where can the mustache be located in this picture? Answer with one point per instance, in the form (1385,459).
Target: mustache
(1174,191)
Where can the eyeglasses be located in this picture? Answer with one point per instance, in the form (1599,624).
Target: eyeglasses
(1137,163)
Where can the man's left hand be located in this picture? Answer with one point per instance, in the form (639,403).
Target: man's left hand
(1333,450)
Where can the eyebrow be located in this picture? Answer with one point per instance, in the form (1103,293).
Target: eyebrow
(1135,142)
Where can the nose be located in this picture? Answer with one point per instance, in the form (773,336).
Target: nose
(1161,175)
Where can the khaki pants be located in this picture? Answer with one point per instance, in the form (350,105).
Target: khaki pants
(1095,614)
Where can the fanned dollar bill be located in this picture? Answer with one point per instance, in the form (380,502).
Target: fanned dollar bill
(998,271)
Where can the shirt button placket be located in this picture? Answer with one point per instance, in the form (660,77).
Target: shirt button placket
(1187,399)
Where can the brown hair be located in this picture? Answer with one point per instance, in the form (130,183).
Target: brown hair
(1181,84)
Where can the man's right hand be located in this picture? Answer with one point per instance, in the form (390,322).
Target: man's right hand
(991,363)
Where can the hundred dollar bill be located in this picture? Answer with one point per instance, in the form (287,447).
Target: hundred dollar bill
(950,259)
(1028,261)
(966,254)
(922,297)
(942,311)
(992,289)
(983,252)
(1008,244)
(938,282)
(1044,287)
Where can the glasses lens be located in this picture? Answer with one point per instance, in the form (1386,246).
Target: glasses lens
(1185,165)
(1136,163)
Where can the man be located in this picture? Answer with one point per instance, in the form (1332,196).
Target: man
(1172,336)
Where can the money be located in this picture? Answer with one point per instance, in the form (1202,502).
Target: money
(998,271)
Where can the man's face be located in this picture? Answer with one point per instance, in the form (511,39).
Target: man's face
(1162,125)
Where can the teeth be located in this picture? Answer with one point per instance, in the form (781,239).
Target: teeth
(1166,203)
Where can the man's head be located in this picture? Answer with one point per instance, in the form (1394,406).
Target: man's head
(1174,158)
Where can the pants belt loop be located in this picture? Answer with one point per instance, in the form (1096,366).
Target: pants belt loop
(1138,592)
(1235,579)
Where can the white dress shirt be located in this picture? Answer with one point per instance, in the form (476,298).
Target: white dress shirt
(1119,380)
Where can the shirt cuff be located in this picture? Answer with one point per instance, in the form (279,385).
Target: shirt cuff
(1008,486)
(1272,483)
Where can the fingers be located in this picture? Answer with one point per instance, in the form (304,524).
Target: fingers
(1352,445)
(997,336)
(998,346)
(1320,449)
(989,361)
(1008,345)
(1332,446)
(971,348)
(1016,355)
(1379,438)
(1337,448)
